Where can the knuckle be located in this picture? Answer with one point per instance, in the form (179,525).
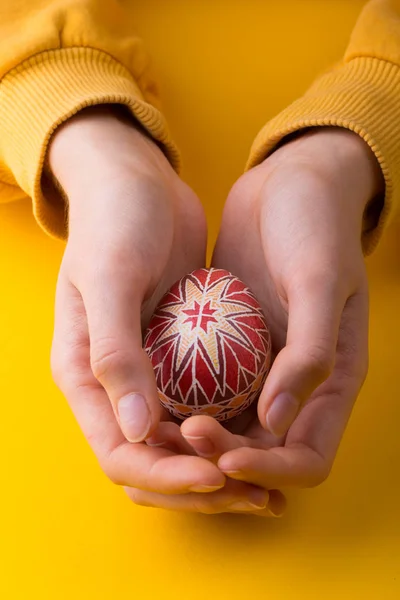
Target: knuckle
(320,361)
(111,472)
(68,362)
(57,367)
(318,471)
(320,475)
(205,507)
(62,369)
(327,279)
(363,369)
(108,268)
(239,194)
(310,468)
(106,358)
(322,278)
(140,497)
(113,267)
(353,370)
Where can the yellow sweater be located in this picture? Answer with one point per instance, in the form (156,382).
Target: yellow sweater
(58,56)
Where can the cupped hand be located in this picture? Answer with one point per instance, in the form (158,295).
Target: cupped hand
(134,229)
(292,230)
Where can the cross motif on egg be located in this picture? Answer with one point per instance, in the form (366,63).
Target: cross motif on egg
(200,316)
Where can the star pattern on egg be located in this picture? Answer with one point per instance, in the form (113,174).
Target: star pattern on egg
(209,345)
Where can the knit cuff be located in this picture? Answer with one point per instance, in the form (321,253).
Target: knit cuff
(362,96)
(43,92)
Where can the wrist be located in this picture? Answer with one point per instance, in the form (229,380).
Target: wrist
(335,155)
(98,146)
(359,163)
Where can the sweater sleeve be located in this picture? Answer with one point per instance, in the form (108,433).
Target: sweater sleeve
(362,94)
(57,57)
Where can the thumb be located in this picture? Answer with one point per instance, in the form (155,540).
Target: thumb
(308,357)
(118,361)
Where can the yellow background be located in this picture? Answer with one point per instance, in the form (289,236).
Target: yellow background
(225,67)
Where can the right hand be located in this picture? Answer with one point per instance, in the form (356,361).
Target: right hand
(134,229)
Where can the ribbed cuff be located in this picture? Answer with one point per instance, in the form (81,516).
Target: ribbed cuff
(362,96)
(43,92)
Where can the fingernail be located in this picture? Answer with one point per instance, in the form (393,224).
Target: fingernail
(282,413)
(203,446)
(275,515)
(232,473)
(276,503)
(205,488)
(243,506)
(155,444)
(134,417)
(259,498)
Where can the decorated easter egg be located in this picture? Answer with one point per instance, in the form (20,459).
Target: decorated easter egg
(209,345)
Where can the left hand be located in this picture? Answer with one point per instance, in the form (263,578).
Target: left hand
(291,230)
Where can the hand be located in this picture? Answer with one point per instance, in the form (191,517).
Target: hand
(234,497)
(134,228)
(291,230)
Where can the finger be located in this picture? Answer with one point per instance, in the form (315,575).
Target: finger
(276,505)
(168,436)
(312,441)
(235,497)
(113,300)
(321,423)
(277,467)
(209,438)
(136,465)
(159,470)
(315,310)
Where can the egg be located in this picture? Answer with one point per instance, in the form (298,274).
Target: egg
(209,345)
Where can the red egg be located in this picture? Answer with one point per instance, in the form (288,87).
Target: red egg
(209,345)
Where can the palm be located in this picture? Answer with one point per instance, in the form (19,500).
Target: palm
(184,254)
(260,242)
(117,265)
(176,246)
(178,253)
(248,262)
